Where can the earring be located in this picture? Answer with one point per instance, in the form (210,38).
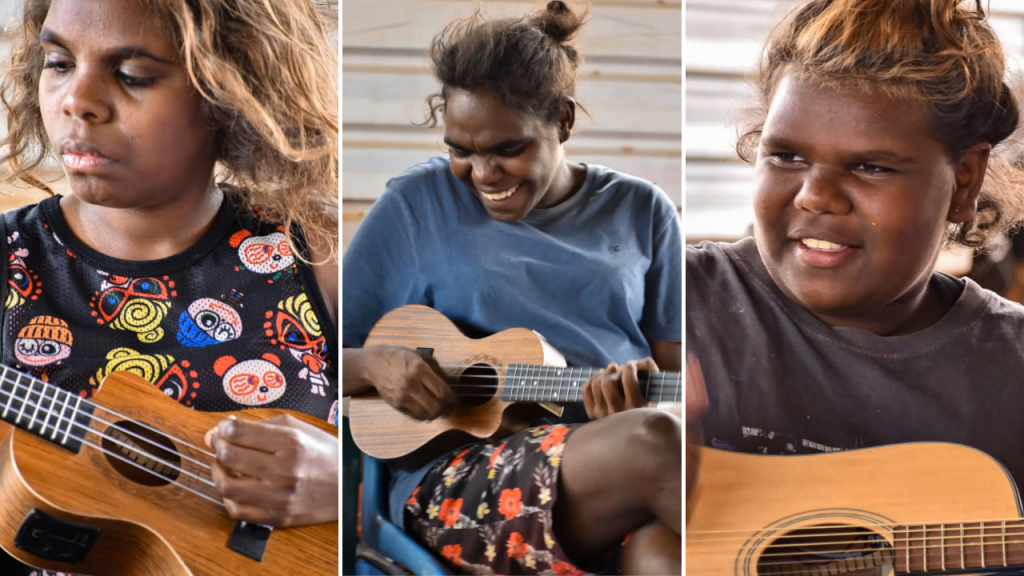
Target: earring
(956,209)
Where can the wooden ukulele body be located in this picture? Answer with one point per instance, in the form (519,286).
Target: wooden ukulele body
(160,530)
(387,434)
(743,503)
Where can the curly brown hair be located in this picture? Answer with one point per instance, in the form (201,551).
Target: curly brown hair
(267,73)
(529,64)
(939,52)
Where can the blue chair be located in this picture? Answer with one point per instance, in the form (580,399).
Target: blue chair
(384,549)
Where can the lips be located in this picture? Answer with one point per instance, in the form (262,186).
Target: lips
(501,195)
(81,155)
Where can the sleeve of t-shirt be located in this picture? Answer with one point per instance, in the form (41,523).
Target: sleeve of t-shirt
(663,284)
(379,269)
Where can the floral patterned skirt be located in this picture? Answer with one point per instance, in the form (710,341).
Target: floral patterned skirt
(487,509)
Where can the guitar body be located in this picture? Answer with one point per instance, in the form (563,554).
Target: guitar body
(387,434)
(745,506)
(145,529)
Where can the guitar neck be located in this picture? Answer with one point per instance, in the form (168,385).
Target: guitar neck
(43,409)
(530,383)
(958,547)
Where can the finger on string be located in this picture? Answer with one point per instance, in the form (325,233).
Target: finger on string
(589,403)
(647,365)
(440,390)
(247,461)
(249,513)
(613,399)
(208,439)
(266,436)
(631,386)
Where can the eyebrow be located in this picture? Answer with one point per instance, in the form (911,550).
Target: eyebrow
(880,155)
(47,36)
(503,145)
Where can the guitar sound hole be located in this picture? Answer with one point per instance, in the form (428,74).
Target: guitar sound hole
(144,468)
(827,549)
(477,384)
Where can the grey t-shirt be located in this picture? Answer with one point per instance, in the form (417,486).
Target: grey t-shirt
(780,381)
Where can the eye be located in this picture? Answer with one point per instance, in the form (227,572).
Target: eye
(785,158)
(872,168)
(28,347)
(134,81)
(458,153)
(512,153)
(207,320)
(49,348)
(58,66)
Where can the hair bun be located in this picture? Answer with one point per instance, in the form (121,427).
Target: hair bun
(558,21)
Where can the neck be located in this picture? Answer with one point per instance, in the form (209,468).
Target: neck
(149,232)
(567,181)
(958,547)
(529,383)
(43,409)
(914,311)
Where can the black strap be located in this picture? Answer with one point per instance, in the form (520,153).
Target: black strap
(6,287)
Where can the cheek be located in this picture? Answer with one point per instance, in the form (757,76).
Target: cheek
(772,195)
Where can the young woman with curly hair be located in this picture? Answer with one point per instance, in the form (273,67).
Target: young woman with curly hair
(884,132)
(198,247)
(507,232)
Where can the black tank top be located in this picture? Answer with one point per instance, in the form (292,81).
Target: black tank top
(233,322)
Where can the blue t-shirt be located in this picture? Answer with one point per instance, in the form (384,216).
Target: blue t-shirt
(599,275)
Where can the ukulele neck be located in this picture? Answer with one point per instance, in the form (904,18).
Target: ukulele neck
(958,547)
(45,410)
(530,383)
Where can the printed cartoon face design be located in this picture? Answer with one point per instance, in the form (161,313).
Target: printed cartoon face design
(263,254)
(134,304)
(172,378)
(252,382)
(296,328)
(44,340)
(207,322)
(24,284)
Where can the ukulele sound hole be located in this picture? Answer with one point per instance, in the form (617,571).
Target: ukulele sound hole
(827,549)
(477,384)
(145,456)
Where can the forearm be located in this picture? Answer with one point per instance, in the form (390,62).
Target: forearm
(352,381)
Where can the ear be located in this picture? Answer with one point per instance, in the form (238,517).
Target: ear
(969,176)
(566,120)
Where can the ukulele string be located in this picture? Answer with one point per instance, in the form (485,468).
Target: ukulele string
(31,385)
(898,560)
(94,416)
(139,450)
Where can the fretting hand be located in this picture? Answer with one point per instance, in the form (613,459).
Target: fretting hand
(281,471)
(602,396)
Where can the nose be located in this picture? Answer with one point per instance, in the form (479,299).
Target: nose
(486,170)
(822,193)
(264,389)
(85,99)
(276,257)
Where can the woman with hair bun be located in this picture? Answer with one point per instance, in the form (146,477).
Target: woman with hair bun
(883,133)
(507,232)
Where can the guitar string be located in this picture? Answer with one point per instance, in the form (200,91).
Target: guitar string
(896,562)
(898,529)
(822,550)
(4,377)
(26,400)
(931,523)
(88,429)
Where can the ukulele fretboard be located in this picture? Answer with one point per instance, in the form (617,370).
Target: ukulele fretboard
(43,409)
(528,383)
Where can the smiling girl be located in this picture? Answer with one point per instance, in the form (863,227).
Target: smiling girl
(883,135)
(507,232)
(197,248)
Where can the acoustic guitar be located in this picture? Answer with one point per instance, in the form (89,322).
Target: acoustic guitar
(902,509)
(503,382)
(119,485)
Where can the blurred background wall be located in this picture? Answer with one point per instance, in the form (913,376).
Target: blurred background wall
(630,82)
(723,43)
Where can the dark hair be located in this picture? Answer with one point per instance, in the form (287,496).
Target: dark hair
(941,53)
(529,64)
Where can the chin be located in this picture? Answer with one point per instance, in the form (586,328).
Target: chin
(100,192)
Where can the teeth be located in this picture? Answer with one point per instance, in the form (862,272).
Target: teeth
(502,195)
(821,244)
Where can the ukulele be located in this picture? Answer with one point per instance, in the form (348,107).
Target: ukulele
(120,485)
(924,509)
(502,382)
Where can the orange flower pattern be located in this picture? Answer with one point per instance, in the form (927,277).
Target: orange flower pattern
(508,490)
(511,503)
